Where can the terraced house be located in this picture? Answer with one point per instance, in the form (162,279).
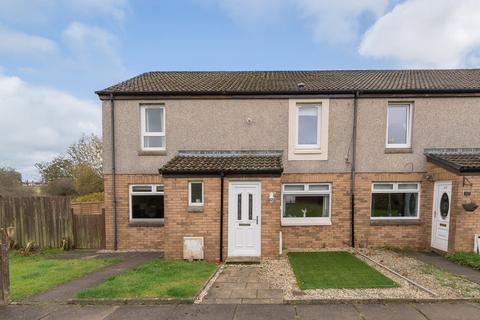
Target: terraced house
(229,165)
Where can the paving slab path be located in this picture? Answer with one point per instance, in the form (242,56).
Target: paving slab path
(69,289)
(442,263)
(435,311)
(237,284)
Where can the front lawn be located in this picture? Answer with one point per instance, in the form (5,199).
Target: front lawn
(155,279)
(469,259)
(34,274)
(326,270)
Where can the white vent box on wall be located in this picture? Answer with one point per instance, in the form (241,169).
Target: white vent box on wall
(193,248)
(476,245)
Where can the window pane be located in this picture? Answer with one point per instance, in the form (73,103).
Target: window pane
(397,124)
(383,186)
(394,204)
(141,189)
(154,142)
(147,207)
(306,206)
(297,187)
(308,125)
(318,187)
(154,120)
(410,186)
(196,192)
(250,206)
(159,188)
(239,206)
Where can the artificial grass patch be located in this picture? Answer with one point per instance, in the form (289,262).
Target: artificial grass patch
(155,279)
(33,274)
(328,270)
(470,259)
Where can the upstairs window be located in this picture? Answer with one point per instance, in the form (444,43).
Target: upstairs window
(395,200)
(146,203)
(308,126)
(195,193)
(153,127)
(399,125)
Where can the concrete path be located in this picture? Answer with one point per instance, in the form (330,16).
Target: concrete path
(442,263)
(238,284)
(444,311)
(68,290)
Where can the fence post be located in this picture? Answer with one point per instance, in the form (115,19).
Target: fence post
(4,271)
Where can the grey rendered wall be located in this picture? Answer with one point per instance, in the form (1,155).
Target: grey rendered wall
(437,123)
(221,125)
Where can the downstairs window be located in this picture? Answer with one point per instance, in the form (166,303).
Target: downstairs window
(146,203)
(395,200)
(306,204)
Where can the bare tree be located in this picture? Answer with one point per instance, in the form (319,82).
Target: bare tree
(87,151)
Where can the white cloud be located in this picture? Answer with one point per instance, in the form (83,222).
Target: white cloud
(93,47)
(339,21)
(18,43)
(427,33)
(28,12)
(39,122)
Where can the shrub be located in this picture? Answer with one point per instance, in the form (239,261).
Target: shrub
(92,197)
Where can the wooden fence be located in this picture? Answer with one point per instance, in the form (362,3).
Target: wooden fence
(43,220)
(88,207)
(4,268)
(89,230)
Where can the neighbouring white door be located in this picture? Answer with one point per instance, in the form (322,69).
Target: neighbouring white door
(244,225)
(442,195)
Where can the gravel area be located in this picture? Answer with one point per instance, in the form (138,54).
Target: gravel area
(444,284)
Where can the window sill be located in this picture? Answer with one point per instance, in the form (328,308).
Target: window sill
(146,224)
(398,150)
(394,222)
(195,209)
(302,222)
(152,152)
(307,151)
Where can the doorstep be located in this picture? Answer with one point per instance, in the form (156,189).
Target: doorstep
(243,260)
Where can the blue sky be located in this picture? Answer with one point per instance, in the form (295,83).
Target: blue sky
(54,54)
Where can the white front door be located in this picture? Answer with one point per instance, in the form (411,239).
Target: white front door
(244,225)
(442,194)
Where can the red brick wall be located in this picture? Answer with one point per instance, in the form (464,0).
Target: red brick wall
(179,222)
(337,235)
(394,234)
(129,237)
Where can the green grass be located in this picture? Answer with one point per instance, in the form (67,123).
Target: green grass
(324,270)
(34,274)
(469,259)
(155,279)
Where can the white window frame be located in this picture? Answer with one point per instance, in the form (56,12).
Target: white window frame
(318,221)
(396,190)
(144,193)
(308,152)
(144,134)
(317,145)
(409,126)
(195,204)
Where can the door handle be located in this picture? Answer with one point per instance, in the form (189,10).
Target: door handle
(256,219)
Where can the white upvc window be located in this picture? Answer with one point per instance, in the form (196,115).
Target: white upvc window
(306,204)
(395,200)
(153,127)
(146,203)
(399,125)
(308,126)
(195,194)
